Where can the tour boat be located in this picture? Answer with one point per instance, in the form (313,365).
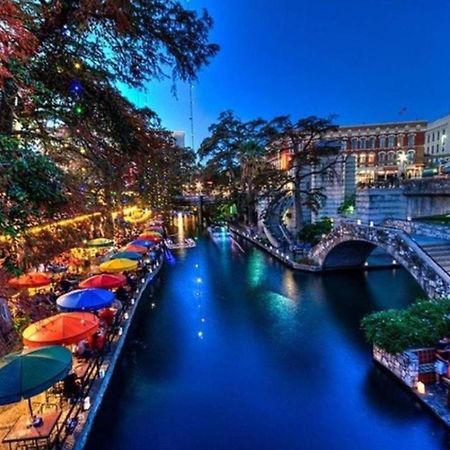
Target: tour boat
(186,243)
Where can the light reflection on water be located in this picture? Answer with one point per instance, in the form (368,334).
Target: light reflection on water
(281,363)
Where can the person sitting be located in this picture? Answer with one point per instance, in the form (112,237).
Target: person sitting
(99,341)
(83,350)
(107,315)
(71,389)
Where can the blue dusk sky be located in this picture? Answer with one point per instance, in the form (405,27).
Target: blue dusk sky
(362,60)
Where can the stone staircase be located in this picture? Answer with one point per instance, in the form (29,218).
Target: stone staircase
(274,223)
(440,253)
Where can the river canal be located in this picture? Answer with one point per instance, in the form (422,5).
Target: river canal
(239,352)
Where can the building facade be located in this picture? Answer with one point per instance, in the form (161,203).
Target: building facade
(437,149)
(384,152)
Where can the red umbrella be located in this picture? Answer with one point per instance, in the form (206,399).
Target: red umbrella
(30,280)
(151,236)
(62,329)
(135,248)
(105,281)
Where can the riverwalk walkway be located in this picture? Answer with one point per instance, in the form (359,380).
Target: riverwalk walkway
(76,419)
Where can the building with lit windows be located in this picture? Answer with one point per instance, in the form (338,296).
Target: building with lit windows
(437,149)
(384,152)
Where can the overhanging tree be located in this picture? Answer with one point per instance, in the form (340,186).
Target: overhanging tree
(64,98)
(312,153)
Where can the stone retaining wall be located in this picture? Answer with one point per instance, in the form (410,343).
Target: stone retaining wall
(425,229)
(411,366)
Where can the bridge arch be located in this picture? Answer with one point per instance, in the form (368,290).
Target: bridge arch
(348,254)
(349,245)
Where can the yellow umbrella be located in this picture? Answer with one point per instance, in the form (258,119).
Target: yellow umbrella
(118,265)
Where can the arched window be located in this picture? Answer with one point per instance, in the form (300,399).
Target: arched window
(410,156)
(362,158)
(371,158)
(381,157)
(382,142)
(391,157)
(363,142)
(354,143)
(391,141)
(372,142)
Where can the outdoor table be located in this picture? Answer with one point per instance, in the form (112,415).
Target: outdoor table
(22,433)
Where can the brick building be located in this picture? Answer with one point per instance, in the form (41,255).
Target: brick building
(384,151)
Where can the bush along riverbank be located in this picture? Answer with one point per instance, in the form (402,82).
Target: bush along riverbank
(414,345)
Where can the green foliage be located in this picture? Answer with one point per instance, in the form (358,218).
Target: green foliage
(420,325)
(312,233)
(20,323)
(30,183)
(347,207)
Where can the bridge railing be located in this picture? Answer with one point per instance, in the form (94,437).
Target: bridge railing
(432,278)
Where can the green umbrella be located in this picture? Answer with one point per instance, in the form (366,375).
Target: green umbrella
(100,242)
(28,373)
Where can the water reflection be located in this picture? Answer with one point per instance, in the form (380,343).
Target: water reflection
(272,359)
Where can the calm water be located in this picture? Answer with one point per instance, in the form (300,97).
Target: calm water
(242,353)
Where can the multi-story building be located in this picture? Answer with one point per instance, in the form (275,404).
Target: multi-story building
(384,151)
(179,137)
(437,149)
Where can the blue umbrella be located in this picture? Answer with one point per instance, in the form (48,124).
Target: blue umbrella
(89,299)
(143,243)
(127,255)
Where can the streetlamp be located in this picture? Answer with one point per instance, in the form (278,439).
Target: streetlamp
(402,158)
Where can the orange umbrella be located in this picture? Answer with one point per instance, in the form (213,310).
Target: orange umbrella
(135,248)
(62,329)
(30,280)
(105,281)
(151,236)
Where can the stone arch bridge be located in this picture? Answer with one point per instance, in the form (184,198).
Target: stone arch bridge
(349,245)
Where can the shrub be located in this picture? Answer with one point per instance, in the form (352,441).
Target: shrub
(312,233)
(422,324)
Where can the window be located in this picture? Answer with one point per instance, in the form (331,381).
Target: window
(344,145)
(372,142)
(371,158)
(381,157)
(438,135)
(411,140)
(391,157)
(437,148)
(391,141)
(410,156)
(382,142)
(354,143)
(432,149)
(363,142)
(432,136)
(362,158)
(428,138)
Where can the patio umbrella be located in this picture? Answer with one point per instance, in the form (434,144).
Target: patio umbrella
(135,249)
(105,281)
(151,236)
(61,329)
(30,280)
(100,242)
(118,265)
(135,256)
(156,228)
(28,373)
(142,243)
(90,299)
